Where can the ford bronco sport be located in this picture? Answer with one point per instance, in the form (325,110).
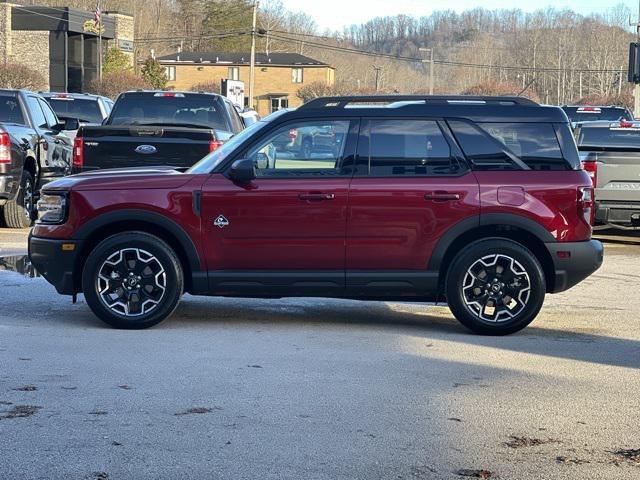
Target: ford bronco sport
(477,200)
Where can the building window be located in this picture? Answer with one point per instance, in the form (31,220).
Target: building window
(279,103)
(234,73)
(170,73)
(297,75)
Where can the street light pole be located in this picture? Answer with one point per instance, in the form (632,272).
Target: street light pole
(252,66)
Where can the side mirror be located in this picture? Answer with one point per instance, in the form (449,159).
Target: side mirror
(71,124)
(243,171)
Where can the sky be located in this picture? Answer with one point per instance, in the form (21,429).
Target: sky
(335,14)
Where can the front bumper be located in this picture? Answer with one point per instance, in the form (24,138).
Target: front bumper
(56,265)
(574,261)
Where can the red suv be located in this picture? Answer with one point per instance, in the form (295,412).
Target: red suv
(477,200)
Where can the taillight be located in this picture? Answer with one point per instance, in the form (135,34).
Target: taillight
(5,147)
(586,204)
(591,167)
(78,152)
(214,145)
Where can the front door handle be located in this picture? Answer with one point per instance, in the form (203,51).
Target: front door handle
(316,197)
(441,196)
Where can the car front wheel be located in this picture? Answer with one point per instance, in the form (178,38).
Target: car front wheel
(495,287)
(132,280)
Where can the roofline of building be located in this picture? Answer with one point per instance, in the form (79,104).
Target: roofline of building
(238,64)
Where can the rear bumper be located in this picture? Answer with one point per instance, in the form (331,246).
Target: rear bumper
(574,261)
(54,264)
(624,214)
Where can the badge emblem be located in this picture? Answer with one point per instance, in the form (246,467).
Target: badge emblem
(146,149)
(221,221)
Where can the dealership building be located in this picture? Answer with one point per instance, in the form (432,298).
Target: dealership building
(60,42)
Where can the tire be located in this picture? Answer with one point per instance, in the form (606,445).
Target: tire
(502,300)
(20,212)
(132,280)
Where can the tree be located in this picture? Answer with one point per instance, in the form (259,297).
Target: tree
(116,61)
(212,86)
(154,74)
(17,75)
(230,21)
(114,83)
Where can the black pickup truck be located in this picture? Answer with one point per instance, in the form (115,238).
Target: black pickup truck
(34,150)
(155,128)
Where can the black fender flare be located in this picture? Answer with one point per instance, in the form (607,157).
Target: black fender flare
(138,215)
(485,220)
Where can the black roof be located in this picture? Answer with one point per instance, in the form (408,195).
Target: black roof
(287,59)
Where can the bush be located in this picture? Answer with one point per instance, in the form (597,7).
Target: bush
(16,75)
(212,87)
(114,84)
(321,89)
(116,61)
(154,74)
(499,89)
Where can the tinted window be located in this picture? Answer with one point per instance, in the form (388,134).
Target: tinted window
(84,110)
(304,147)
(48,113)
(37,115)
(611,137)
(10,110)
(190,110)
(589,114)
(506,146)
(484,152)
(408,147)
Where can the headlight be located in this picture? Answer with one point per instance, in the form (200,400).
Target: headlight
(52,208)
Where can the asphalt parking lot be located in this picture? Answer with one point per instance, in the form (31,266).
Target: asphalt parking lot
(321,389)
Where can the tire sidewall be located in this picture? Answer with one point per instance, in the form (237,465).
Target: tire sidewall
(472,253)
(156,247)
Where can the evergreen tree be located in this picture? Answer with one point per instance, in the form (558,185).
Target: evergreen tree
(154,74)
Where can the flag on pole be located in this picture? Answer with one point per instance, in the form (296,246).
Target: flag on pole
(98,14)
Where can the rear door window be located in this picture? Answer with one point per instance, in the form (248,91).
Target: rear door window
(10,110)
(509,146)
(406,147)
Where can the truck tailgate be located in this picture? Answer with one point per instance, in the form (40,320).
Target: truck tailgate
(133,146)
(618,176)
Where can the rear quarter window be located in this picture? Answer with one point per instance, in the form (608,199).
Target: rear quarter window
(509,146)
(10,110)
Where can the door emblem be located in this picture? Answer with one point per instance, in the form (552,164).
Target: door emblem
(221,221)
(146,149)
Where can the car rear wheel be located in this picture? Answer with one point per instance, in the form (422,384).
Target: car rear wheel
(132,280)
(495,287)
(20,212)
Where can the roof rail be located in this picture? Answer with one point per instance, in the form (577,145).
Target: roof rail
(342,102)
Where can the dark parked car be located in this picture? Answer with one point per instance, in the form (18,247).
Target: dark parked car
(87,108)
(150,128)
(611,155)
(33,151)
(478,200)
(586,113)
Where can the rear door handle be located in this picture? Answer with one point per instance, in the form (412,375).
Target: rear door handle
(316,197)
(441,196)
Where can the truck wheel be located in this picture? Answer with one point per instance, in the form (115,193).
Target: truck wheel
(21,211)
(132,280)
(495,287)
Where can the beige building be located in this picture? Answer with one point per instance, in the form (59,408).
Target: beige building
(61,42)
(278,76)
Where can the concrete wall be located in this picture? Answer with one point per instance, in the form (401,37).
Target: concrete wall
(5,31)
(124,31)
(268,79)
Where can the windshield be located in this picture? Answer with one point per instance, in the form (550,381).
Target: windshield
(84,110)
(10,111)
(179,109)
(208,163)
(590,114)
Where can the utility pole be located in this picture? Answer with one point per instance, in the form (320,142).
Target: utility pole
(636,86)
(252,66)
(377,69)
(431,67)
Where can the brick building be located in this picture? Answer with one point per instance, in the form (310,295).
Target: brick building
(278,76)
(60,42)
